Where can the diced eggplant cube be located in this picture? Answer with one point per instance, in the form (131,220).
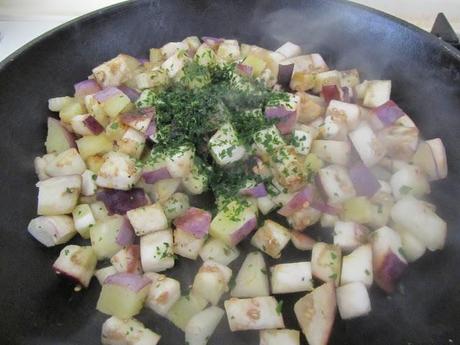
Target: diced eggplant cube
(117,331)
(326,262)
(76,263)
(148,219)
(271,238)
(225,146)
(279,337)
(252,278)
(186,244)
(357,266)
(353,300)
(119,171)
(163,294)
(218,251)
(256,313)
(157,251)
(52,230)
(58,195)
(293,277)
(83,219)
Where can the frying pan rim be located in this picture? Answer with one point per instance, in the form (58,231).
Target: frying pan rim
(453,52)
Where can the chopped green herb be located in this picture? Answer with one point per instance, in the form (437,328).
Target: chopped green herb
(405,189)
(279,307)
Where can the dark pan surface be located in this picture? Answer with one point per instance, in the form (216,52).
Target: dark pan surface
(37,308)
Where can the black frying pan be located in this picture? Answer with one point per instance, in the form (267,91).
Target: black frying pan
(36,307)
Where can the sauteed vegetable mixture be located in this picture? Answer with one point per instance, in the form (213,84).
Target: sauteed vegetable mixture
(264,132)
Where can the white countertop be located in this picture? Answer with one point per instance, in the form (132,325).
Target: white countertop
(24,20)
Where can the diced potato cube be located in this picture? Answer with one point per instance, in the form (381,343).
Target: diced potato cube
(91,145)
(104,236)
(123,299)
(185,308)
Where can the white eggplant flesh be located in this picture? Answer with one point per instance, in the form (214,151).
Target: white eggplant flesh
(420,220)
(315,313)
(163,190)
(163,294)
(116,331)
(279,337)
(184,309)
(351,112)
(118,171)
(127,259)
(202,325)
(326,262)
(176,205)
(148,219)
(367,144)
(171,48)
(412,247)
(218,251)
(388,260)
(83,219)
(252,279)
(132,143)
(271,238)
(157,251)
(40,164)
(328,220)
(99,210)
(289,50)
(253,313)
(409,180)
(377,93)
(58,195)
(349,235)
(353,300)
(266,204)
(293,277)
(357,266)
(68,162)
(225,147)
(76,263)
(102,273)
(332,151)
(186,244)
(302,241)
(431,157)
(211,281)
(52,230)
(336,183)
(179,164)
(88,183)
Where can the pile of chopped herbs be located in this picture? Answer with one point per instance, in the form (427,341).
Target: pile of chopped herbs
(190,110)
